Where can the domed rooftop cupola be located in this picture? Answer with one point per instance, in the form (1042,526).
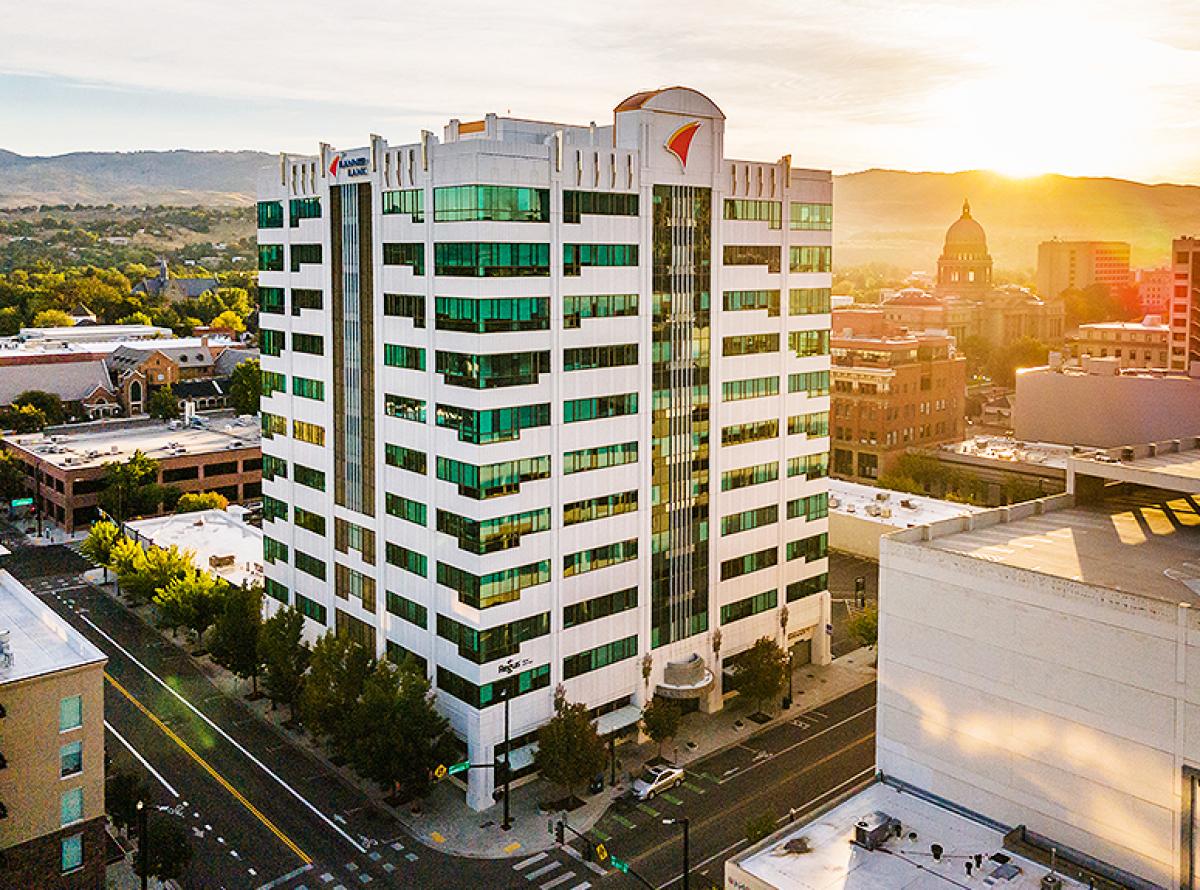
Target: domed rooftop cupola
(965,266)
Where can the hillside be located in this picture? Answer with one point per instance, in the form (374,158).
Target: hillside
(886,216)
(901,218)
(211,178)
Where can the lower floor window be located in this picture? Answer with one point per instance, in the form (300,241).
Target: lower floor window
(72,852)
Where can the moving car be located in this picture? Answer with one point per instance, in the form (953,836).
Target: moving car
(655,779)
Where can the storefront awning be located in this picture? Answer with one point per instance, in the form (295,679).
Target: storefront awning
(520,758)
(615,721)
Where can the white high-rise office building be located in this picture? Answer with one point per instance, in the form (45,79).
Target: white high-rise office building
(1184,317)
(548,404)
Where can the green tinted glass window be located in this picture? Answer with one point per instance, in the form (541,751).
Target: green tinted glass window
(473,259)
(500,203)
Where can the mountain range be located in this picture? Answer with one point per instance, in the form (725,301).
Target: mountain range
(888,216)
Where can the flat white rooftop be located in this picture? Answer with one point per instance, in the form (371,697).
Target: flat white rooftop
(13,349)
(1143,543)
(40,641)
(895,508)
(1168,465)
(101,444)
(1008,450)
(221,543)
(834,863)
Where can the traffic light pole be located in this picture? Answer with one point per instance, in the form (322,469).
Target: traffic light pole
(616,862)
(507,823)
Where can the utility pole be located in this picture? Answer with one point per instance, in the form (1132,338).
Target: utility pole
(143,845)
(686,858)
(507,823)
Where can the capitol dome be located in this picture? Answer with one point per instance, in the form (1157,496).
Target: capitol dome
(966,235)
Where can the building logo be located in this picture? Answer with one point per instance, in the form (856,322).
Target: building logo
(679,143)
(356,166)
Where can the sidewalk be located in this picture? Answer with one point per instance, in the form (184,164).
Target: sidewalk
(449,825)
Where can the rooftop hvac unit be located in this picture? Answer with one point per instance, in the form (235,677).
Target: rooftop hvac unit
(908,502)
(6,653)
(873,829)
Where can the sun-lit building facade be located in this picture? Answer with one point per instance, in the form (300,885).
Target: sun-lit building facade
(548,404)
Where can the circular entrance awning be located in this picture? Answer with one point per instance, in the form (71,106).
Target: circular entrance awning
(690,678)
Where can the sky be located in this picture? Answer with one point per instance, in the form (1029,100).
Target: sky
(1096,88)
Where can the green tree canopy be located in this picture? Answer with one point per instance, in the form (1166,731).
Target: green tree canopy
(141,573)
(163,404)
(230,321)
(760,673)
(570,752)
(660,720)
(122,792)
(12,477)
(235,636)
(193,600)
(52,318)
(194,501)
(130,489)
(98,545)
(285,657)
(864,626)
(169,852)
(25,419)
(337,670)
(47,402)
(245,387)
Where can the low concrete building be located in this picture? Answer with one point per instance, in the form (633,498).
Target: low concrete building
(859,515)
(1040,663)
(222,543)
(1006,470)
(52,834)
(66,470)
(1097,405)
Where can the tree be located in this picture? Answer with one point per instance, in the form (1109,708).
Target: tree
(284,657)
(236,632)
(337,670)
(193,600)
(169,852)
(570,752)
(401,737)
(99,544)
(761,672)
(245,387)
(136,318)
(201,500)
(47,402)
(130,489)
(1026,352)
(52,318)
(26,419)
(10,321)
(864,626)
(121,794)
(978,351)
(12,477)
(141,573)
(661,719)
(163,404)
(230,321)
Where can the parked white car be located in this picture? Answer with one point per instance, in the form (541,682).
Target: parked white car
(655,779)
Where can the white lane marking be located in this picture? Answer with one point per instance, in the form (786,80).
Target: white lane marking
(141,759)
(544,870)
(855,778)
(295,873)
(296,794)
(816,735)
(530,861)
(561,879)
(582,886)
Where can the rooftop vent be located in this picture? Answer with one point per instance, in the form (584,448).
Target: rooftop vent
(873,829)
(6,653)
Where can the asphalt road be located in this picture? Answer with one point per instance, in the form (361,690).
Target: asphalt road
(263,812)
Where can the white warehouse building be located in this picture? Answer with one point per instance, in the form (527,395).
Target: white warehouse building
(548,404)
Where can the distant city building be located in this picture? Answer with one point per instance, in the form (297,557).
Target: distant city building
(1077,265)
(175,289)
(1185,307)
(1154,290)
(85,334)
(1135,344)
(1098,405)
(84,387)
(548,404)
(1004,469)
(66,470)
(965,266)
(52,824)
(890,393)
(859,515)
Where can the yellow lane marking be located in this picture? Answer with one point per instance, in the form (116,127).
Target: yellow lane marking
(437,838)
(514,846)
(304,857)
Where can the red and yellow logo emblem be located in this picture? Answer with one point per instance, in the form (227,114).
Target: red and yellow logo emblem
(679,143)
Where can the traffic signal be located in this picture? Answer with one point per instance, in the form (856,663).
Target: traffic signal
(559,832)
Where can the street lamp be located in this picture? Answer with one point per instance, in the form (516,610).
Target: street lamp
(143,845)
(686,866)
(507,823)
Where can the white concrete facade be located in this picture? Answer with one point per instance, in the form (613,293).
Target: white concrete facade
(1040,664)
(628,158)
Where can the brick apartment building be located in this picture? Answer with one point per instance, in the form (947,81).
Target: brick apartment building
(891,390)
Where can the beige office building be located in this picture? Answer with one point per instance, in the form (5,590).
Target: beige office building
(1077,265)
(1185,307)
(51,748)
(1134,344)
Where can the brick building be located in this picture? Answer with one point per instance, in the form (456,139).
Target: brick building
(66,471)
(890,391)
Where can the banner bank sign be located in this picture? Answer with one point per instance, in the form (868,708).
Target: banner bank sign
(349,165)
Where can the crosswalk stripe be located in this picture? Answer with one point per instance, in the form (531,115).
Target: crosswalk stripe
(561,879)
(530,861)
(582,886)
(544,870)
